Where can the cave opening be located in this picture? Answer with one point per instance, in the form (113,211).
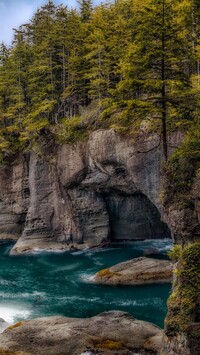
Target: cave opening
(134,217)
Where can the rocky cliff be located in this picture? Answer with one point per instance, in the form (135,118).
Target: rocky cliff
(107,189)
(85,194)
(14,198)
(182,324)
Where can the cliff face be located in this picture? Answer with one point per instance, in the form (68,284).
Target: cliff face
(83,194)
(184,216)
(182,324)
(14,198)
(107,189)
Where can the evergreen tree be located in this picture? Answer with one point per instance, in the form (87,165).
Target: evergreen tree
(41,75)
(99,45)
(135,60)
(154,78)
(85,9)
(4,101)
(69,49)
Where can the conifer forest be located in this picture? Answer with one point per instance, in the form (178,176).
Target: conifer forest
(68,72)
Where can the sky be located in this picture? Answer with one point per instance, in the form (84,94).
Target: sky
(14,13)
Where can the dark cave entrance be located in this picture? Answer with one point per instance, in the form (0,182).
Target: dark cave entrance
(134,217)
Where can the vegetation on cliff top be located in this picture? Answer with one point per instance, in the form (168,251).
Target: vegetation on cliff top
(68,72)
(182,168)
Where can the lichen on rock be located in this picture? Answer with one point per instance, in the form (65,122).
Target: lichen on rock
(107,333)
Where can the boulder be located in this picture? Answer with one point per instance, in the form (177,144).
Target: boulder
(139,271)
(108,333)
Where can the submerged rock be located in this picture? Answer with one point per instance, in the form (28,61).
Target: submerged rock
(107,333)
(151,252)
(139,271)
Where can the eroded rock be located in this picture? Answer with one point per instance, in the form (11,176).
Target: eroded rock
(107,333)
(14,198)
(83,195)
(139,271)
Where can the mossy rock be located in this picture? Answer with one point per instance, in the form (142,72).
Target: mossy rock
(6,352)
(106,273)
(109,345)
(184,301)
(16,325)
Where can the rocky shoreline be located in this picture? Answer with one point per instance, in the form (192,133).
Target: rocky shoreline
(109,333)
(99,191)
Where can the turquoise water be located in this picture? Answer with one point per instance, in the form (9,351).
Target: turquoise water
(59,284)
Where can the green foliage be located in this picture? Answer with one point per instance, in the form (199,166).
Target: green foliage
(70,131)
(175,253)
(132,61)
(183,166)
(184,301)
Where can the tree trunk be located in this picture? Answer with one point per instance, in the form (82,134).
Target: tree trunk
(164,128)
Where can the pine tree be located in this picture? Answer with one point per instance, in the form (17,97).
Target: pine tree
(41,76)
(100,61)
(132,60)
(154,77)
(85,9)
(4,101)
(70,64)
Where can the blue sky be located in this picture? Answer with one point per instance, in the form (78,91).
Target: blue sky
(13,13)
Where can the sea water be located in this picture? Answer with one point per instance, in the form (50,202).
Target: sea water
(45,284)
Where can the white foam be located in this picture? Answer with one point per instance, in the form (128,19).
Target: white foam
(66,268)
(138,303)
(36,251)
(78,252)
(114,303)
(87,277)
(98,263)
(22,295)
(91,252)
(7,282)
(11,314)
(161,245)
(73,299)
